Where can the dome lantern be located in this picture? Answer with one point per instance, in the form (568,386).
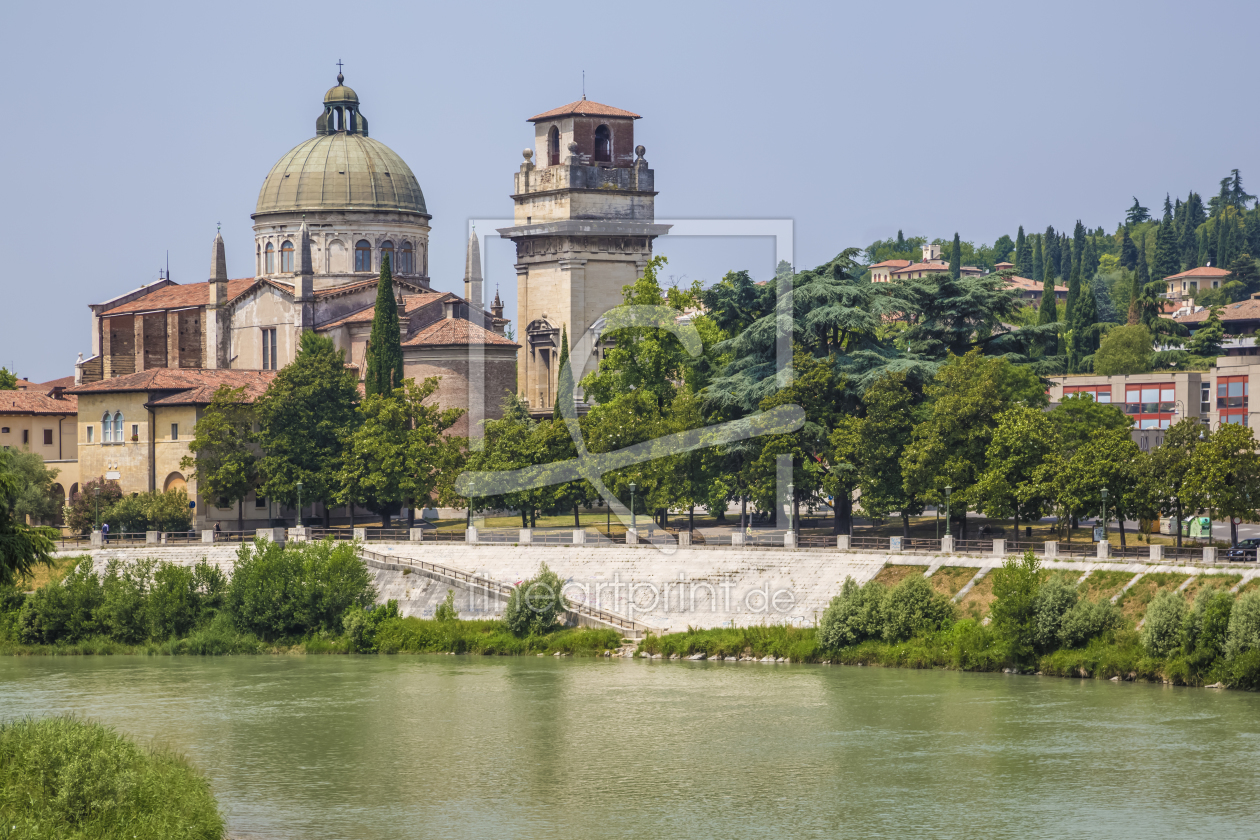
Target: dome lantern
(341,111)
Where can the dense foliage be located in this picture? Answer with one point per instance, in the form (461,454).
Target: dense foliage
(67,779)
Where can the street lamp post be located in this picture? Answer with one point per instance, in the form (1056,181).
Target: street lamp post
(633,521)
(299,512)
(1103,515)
(948,491)
(96,498)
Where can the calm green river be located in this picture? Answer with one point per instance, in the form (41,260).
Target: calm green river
(322,747)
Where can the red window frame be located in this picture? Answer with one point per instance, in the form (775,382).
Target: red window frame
(1100,393)
(1152,405)
(1231,399)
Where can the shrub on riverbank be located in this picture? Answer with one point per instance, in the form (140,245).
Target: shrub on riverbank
(65,779)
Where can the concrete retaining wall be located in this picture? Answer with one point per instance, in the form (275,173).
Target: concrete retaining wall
(667,591)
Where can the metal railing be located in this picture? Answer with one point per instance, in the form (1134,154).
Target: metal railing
(504,590)
(387,534)
(318,534)
(868,542)
(920,544)
(765,538)
(974,546)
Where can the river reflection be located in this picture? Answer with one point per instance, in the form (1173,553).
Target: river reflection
(370,748)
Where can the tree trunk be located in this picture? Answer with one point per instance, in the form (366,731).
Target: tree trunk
(743,513)
(1233,532)
(795,524)
(1120,519)
(524,521)
(845,513)
(577,522)
(411,514)
(905,525)
(327,514)
(533,517)
(351,506)
(384,517)
(240,515)
(720,514)
(691,518)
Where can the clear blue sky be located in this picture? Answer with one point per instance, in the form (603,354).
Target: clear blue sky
(133,129)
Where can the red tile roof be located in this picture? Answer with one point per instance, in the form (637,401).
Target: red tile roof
(584,108)
(935,265)
(891,264)
(1202,271)
(455,332)
(36,402)
(195,385)
(1244,310)
(63,382)
(1025,284)
(178,296)
(410,304)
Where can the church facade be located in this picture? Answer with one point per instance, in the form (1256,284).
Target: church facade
(328,215)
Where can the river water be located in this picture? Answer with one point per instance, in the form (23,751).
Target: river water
(322,747)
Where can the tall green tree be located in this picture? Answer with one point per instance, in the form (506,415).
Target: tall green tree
(1141,279)
(1023,265)
(564,391)
(1023,440)
(1109,460)
(22,547)
(1128,251)
(1038,263)
(1166,469)
(955,258)
(304,417)
(224,460)
(8,380)
(1224,475)
(950,447)
(1167,247)
(398,452)
(1195,215)
(384,352)
(1137,214)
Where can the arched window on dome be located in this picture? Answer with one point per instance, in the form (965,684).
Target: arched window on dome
(603,144)
(387,249)
(286,258)
(406,259)
(362,255)
(270,260)
(553,147)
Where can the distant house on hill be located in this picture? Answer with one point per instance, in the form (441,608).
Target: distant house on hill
(1187,283)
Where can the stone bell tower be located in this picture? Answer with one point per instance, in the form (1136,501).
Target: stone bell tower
(584,225)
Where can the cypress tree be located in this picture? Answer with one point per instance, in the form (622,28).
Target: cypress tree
(1222,239)
(1074,288)
(1066,280)
(1207,246)
(1140,278)
(901,242)
(384,353)
(1128,252)
(1048,311)
(1021,253)
(1253,231)
(955,258)
(565,389)
(1195,215)
(1038,266)
(1167,256)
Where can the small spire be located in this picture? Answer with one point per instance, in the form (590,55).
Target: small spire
(218,260)
(341,80)
(305,264)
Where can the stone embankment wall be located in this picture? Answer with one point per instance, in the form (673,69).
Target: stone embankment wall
(667,591)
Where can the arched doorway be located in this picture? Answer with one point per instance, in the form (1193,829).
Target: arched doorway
(175,481)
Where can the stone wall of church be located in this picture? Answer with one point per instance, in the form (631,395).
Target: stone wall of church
(267,309)
(496,377)
(334,234)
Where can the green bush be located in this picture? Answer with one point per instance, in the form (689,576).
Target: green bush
(1244,625)
(125,589)
(1161,632)
(853,616)
(65,610)
(536,605)
(1205,629)
(1054,599)
(64,779)
(912,607)
(361,626)
(1014,610)
(286,591)
(1087,620)
(173,602)
(446,610)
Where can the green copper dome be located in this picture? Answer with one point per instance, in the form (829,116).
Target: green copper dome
(341,168)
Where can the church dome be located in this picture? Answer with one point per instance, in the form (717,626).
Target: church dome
(341,171)
(341,168)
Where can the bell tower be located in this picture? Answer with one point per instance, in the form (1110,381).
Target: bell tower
(584,225)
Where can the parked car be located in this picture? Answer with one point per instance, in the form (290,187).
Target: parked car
(1243,550)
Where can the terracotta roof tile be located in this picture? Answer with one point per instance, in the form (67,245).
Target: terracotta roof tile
(584,108)
(1244,310)
(195,386)
(63,382)
(410,304)
(1024,283)
(456,332)
(36,402)
(177,296)
(891,264)
(1202,271)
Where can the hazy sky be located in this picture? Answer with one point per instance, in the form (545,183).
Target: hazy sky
(131,129)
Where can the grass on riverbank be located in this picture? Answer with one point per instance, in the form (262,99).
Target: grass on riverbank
(66,779)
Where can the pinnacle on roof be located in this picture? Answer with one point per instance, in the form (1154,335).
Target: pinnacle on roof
(472,263)
(218,260)
(305,264)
